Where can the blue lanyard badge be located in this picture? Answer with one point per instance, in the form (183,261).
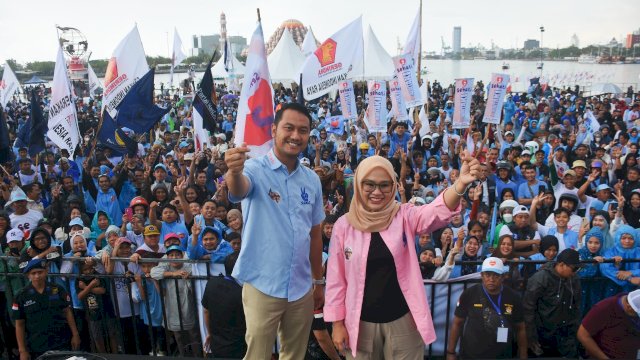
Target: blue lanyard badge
(496,307)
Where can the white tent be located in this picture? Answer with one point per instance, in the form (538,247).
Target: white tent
(285,60)
(309,43)
(219,72)
(377,62)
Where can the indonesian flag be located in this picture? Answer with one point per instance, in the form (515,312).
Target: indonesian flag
(255,109)
(333,61)
(63,120)
(126,66)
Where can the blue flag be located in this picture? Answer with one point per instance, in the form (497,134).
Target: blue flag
(137,110)
(37,127)
(203,102)
(300,99)
(5,144)
(111,136)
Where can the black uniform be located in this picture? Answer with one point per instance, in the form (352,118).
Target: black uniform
(480,334)
(46,326)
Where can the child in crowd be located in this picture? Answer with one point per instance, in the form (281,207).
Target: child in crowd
(136,234)
(146,292)
(178,300)
(208,244)
(235,240)
(548,250)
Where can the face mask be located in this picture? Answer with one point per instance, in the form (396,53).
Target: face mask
(508,218)
(429,199)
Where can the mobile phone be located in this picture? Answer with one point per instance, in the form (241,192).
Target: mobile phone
(541,189)
(614,206)
(128,212)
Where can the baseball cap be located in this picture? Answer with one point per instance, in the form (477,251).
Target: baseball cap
(151,230)
(579,163)
(364,146)
(634,300)
(526,152)
(305,161)
(508,133)
(160,166)
(596,164)
(14,235)
(76,221)
(569,257)
(520,209)
(174,248)
(569,172)
(493,264)
(603,187)
(169,235)
(34,264)
(508,204)
(124,240)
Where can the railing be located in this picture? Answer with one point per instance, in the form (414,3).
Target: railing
(442,299)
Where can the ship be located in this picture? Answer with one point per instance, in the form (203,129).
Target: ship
(587,59)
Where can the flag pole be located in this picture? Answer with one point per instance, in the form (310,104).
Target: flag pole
(259,19)
(420,44)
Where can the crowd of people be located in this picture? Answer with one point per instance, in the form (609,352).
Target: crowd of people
(376,213)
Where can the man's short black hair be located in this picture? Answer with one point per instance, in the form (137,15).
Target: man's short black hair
(230,262)
(292,106)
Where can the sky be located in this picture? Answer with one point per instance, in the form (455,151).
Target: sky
(27,28)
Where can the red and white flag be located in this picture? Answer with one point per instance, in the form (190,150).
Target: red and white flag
(255,108)
(8,85)
(333,61)
(126,66)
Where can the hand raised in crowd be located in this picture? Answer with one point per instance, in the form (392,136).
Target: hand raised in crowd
(477,192)
(470,169)
(235,159)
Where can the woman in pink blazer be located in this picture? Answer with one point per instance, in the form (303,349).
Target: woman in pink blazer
(375,295)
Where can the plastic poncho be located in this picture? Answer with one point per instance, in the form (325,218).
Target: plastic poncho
(610,270)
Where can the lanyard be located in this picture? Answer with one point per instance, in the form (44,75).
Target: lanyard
(496,307)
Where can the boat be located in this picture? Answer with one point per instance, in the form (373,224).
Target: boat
(586,59)
(479,58)
(539,65)
(505,66)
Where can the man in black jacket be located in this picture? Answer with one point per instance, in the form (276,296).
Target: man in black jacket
(552,307)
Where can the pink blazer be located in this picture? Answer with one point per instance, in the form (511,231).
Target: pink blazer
(347,265)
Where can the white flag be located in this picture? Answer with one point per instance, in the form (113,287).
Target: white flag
(398,106)
(462,103)
(63,120)
(333,61)
(376,116)
(255,107)
(8,86)
(126,66)
(495,98)
(348,100)
(406,75)
(200,134)
(309,44)
(94,82)
(177,56)
(412,45)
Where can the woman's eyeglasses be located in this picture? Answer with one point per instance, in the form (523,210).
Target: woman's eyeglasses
(370,186)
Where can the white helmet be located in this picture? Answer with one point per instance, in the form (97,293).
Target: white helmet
(532,146)
(508,204)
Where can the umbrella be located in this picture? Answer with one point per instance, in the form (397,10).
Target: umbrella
(229,97)
(605,88)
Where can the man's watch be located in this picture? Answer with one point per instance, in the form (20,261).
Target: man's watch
(319,282)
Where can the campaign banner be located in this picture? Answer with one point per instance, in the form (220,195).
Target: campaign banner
(8,85)
(127,64)
(333,61)
(255,107)
(406,75)
(347,100)
(495,98)
(376,115)
(398,106)
(462,103)
(63,120)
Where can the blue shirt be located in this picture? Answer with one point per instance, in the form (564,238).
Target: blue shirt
(153,302)
(278,211)
(525,190)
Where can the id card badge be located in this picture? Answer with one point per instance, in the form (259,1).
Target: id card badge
(503,334)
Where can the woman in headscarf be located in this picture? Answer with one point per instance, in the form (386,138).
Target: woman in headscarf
(375,294)
(470,252)
(592,251)
(631,209)
(602,220)
(623,276)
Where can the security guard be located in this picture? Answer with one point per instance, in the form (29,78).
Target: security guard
(43,315)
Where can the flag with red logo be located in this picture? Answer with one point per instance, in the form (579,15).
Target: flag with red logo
(495,98)
(8,85)
(348,100)
(255,108)
(333,61)
(412,44)
(376,115)
(462,103)
(406,76)
(63,119)
(398,106)
(126,65)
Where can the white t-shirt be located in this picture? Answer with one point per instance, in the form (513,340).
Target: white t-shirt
(26,222)
(506,231)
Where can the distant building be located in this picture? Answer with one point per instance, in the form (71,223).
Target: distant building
(457,39)
(575,41)
(238,43)
(632,40)
(205,44)
(531,44)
